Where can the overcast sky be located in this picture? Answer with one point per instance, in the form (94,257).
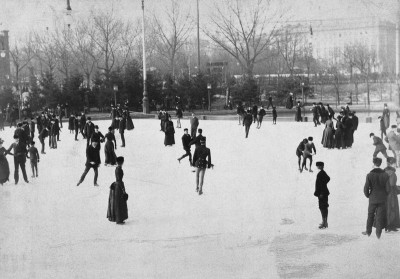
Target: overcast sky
(20,16)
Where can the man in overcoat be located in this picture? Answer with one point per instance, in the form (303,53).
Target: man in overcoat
(92,161)
(376,189)
(379,146)
(322,193)
(194,123)
(88,130)
(247,121)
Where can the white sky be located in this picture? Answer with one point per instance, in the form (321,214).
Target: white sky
(19,16)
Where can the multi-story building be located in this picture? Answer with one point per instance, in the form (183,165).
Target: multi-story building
(4,58)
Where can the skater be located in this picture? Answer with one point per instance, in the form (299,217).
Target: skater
(196,140)
(71,124)
(34,158)
(32,128)
(386,116)
(109,147)
(331,112)
(354,118)
(322,193)
(88,130)
(376,189)
(300,150)
(53,134)
(186,139)
(58,129)
(117,208)
(202,160)
(194,123)
(83,124)
(394,143)
(298,117)
(43,134)
(289,101)
(379,146)
(274,115)
(270,102)
(315,115)
(129,123)
(92,161)
(323,113)
(122,125)
(261,115)
(382,126)
(179,115)
(240,112)
(339,133)
(392,202)
(308,153)
(247,121)
(4,167)
(169,138)
(76,125)
(254,112)
(348,131)
(20,154)
(97,136)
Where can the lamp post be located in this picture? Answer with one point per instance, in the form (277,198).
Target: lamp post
(115,94)
(145,98)
(209,96)
(302,94)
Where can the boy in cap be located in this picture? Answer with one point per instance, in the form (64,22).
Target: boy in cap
(202,160)
(308,153)
(376,189)
(322,193)
(92,161)
(186,146)
(379,146)
(34,158)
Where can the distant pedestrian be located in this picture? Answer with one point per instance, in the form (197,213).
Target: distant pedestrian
(274,115)
(194,123)
(382,126)
(289,101)
(122,125)
(299,152)
(71,124)
(34,158)
(42,136)
(322,193)
(314,110)
(83,124)
(179,115)
(247,121)
(240,112)
(88,130)
(386,116)
(261,114)
(110,147)
(92,161)
(298,117)
(32,128)
(270,102)
(169,138)
(376,189)
(254,112)
(77,125)
(331,112)
(4,166)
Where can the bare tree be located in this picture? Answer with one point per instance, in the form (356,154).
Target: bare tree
(45,50)
(172,34)
(21,55)
(289,44)
(245,30)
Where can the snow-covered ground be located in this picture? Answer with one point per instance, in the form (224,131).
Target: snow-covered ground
(257,218)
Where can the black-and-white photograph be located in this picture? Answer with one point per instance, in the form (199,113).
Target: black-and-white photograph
(199,139)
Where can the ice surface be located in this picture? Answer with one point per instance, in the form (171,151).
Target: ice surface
(257,218)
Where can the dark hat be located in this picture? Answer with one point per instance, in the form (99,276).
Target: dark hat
(314,103)
(89,118)
(203,140)
(310,138)
(96,127)
(305,141)
(393,126)
(110,128)
(120,160)
(200,130)
(319,164)
(372,134)
(186,129)
(32,142)
(377,161)
(16,137)
(391,160)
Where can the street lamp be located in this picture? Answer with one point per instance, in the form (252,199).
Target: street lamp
(302,94)
(209,96)
(146,108)
(69,16)
(115,94)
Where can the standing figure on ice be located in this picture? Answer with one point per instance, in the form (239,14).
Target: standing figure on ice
(386,116)
(322,193)
(394,143)
(76,125)
(169,139)
(179,115)
(202,160)
(392,203)
(328,135)
(88,130)
(186,146)
(122,126)
(20,153)
(297,117)
(194,123)
(240,112)
(300,150)
(4,167)
(247,121)
(379,146)
(308,153)
(261,115)
(117,208)
(382,126)
(92,161)
(376,189)
(274,115)
(339,133)
(109,147)
(314,110)
(34,158)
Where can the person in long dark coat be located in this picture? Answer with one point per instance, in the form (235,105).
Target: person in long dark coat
(88,130)
(97,136)
(77,125)
(92,161)
(247,121)
(129,122)
(328,140)
(322,193)
(122,126)
(289,101)
(298,117)
(382,126)
(339,133)
(202,160)
(376,189)
(354,118)
(386,116)
(315,110)
(117,208)
(299,151)
(109,147)
(82,126)
(4,166)
(348,132)
(169,133)
(179,115)
(392,203)
(261,115)
(331,112)
(71,124)
(194,123)
(186,139)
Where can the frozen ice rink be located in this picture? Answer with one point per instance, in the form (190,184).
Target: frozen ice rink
(257,218)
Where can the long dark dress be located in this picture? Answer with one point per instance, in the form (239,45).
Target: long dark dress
(392,204)
(328,136)
(339,135)
(297,116)
(4,167)
(109,150)
(117,207)
(386,117)
(169,133)
(129,122)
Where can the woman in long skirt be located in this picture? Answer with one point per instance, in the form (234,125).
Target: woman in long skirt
(4,168)
(328,135)
(169,132)
(117,208)
(339,134)
(109,147)
(392,203)
(129,122)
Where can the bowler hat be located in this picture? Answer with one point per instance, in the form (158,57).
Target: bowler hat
(319,164)
(377,161)
(96,127)
(203,140)
(391,160)
(120,160)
